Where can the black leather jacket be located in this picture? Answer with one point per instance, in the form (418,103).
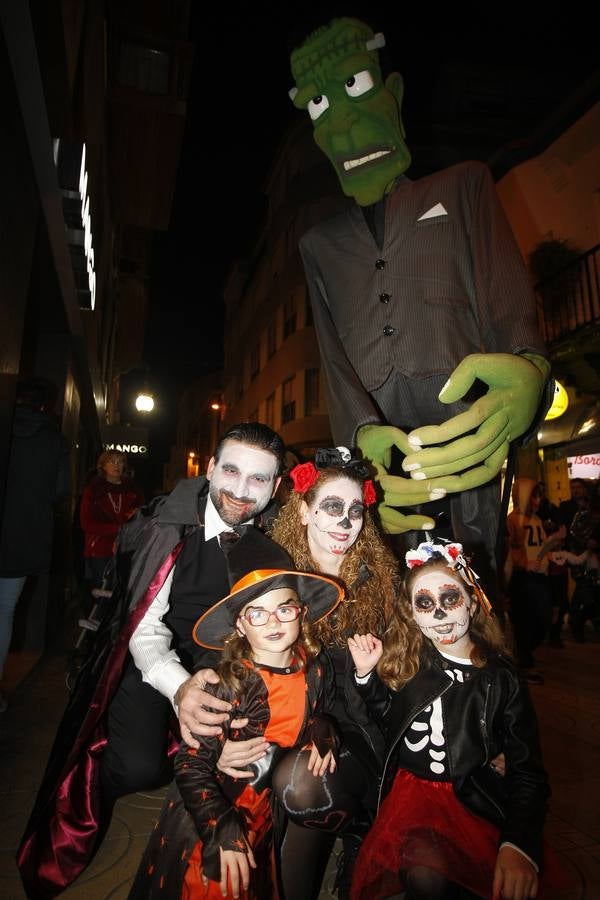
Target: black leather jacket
(488,714)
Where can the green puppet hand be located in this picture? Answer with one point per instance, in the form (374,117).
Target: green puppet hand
(476,442)
(376,442)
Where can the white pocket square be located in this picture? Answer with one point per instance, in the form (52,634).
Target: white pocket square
(437,210)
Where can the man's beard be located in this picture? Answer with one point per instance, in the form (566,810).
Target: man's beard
(233,514)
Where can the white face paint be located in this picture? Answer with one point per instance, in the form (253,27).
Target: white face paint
(335,517)
(442,608)
(242,481)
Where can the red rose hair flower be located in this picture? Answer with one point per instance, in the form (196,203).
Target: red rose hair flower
(369,495)
(303,476)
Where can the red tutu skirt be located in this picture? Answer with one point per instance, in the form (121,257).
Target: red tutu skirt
(421,823)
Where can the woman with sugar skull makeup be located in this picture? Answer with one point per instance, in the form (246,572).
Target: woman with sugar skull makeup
(326,526)
(451,701)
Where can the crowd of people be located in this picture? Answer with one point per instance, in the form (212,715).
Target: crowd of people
(544,543)
(297,681)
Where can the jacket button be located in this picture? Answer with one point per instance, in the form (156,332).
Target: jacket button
(384,298)
(380,263)
(389,331)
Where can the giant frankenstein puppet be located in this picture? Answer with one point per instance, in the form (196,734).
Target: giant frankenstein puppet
(419,293)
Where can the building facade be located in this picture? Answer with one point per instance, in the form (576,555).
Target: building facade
(94,102)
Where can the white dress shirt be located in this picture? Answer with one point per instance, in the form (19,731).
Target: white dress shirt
(150,643)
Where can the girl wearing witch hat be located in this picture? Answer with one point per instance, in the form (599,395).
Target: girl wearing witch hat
(214,836)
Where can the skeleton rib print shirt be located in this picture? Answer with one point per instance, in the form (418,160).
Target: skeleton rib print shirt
(422,750)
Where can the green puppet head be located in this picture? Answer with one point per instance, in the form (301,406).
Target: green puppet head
(356,115)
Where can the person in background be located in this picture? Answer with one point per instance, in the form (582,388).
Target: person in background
(558,576)
(38,477)
(526,573)
(568,509)
(585,604)
(109,500)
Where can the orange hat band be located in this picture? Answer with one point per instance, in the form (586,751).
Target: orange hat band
(256,576)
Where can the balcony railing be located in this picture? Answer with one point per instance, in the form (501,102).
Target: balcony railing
(570,299)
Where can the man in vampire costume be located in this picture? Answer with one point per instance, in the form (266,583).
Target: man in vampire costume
(120,726)
(419,292)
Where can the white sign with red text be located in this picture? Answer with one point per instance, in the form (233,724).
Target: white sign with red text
(585,466)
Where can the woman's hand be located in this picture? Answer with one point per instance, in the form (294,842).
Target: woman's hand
(366,650)
(514,876)
(238,754)
(235,870)
(498,765)
(318,764)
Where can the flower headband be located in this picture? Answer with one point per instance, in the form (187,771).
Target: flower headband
(306,474)
(452,552)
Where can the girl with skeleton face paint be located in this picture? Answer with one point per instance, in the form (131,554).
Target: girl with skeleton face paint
(450,701)
(442,608)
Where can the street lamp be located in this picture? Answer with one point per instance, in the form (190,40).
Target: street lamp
(193,465)
(218,409)
(144,402)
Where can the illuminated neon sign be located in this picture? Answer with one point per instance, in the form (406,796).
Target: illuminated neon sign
(88,246)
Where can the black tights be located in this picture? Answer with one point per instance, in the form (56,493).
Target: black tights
(425,884)
(316,810)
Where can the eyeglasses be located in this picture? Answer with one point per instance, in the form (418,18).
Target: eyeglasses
(257,616)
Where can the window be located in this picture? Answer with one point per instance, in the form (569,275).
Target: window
(270,411)
(311,392)
(288,403)
(144,68)
(289,317)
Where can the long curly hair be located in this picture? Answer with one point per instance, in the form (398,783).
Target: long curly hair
(369,570)
(232,669)
(404,644)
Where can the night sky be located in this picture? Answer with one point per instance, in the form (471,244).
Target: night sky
(238,110)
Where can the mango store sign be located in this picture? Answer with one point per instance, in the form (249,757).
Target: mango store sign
(585,466)
(132,441)
(138,449)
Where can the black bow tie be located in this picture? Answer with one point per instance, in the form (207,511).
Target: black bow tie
(227,539)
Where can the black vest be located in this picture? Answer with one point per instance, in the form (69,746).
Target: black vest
(200,581)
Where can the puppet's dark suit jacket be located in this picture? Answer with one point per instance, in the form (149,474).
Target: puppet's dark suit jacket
(394,321)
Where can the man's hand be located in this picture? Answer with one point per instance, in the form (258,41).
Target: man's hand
(366,651)
(192,701)
(503,414)
(318,764)
(514,876)
(238,754)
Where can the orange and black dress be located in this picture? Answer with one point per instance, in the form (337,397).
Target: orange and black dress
(206,809)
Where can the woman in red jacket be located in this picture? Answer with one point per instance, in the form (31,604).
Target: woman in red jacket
(109,500)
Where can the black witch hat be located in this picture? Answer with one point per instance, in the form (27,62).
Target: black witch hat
(258,565)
